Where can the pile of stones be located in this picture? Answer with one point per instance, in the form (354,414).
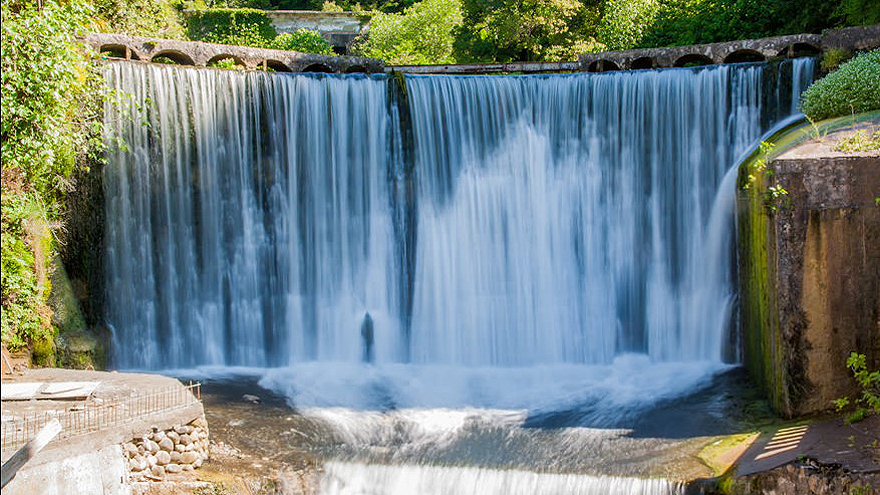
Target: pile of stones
(182,448)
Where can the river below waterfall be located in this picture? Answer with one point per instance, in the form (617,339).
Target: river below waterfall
(459,284)
(442,451)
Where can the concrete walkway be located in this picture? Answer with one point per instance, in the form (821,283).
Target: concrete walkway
(854,447)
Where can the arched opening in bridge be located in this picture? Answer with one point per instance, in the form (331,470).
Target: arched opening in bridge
(226,61)
(318,68)
(117,51)
(276,66)
(642,63)
(356,68)
(693,60)
(172,57)
(744,55)
(603,66)
(800,50)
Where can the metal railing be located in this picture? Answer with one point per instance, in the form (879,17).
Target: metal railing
(83,417)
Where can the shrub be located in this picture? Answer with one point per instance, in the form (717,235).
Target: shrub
(833,57)
(869,382)
(302,40)
(245,27)
(853,88)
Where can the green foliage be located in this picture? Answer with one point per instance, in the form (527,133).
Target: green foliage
(869,382)
(833,57)
(423,34)
(858,12)
(756,166)
(302,40)
(624,22)
(24,317)
(226,26)
(853,88)
(138,17)
(507,30)
(776,198)
(225,63)
(859,141)
(49,112)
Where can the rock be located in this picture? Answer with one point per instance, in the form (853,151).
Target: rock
(174,436)
(253,399)
(180,430)
(166,444)
(189,447)
(173,468)
(200,421)
(130,450)
(185,439)
(163,458)
(141,449)
(176,456)
(151,460)
(189,457)
(151,446)
(158,471)
(180,448)
(197,464)
(187,467)
(134,465)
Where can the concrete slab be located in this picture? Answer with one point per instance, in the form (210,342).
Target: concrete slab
(20,391)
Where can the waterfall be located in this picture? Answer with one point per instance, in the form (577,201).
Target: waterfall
(272,219)
(345,477)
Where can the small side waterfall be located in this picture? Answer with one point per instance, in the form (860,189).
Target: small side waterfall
(257,219)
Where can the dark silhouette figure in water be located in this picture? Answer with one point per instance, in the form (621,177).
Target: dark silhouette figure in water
(367,337)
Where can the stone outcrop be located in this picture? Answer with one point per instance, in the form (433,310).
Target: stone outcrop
(163,452)
(809,262)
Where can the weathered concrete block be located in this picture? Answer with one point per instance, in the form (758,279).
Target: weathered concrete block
(810,274)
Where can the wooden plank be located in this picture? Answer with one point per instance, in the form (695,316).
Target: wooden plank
(24,454)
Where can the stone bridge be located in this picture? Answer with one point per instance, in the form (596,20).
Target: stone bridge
(201,54)
(861,37)
(204,54)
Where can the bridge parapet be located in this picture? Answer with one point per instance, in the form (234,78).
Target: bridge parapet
(713,53)
(755,50)
(202,54)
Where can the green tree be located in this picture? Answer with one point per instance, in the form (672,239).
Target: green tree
(423,34)
(508,30)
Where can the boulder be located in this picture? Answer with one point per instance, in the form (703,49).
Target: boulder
(173,468)
(189,457)
(166,444)
(158,471)
(163,458)
(151,446)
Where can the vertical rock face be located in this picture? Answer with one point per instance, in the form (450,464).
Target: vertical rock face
(810,273)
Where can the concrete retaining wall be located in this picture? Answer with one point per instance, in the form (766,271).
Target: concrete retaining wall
(810,274)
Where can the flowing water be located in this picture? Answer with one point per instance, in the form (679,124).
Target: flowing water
(406,263)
